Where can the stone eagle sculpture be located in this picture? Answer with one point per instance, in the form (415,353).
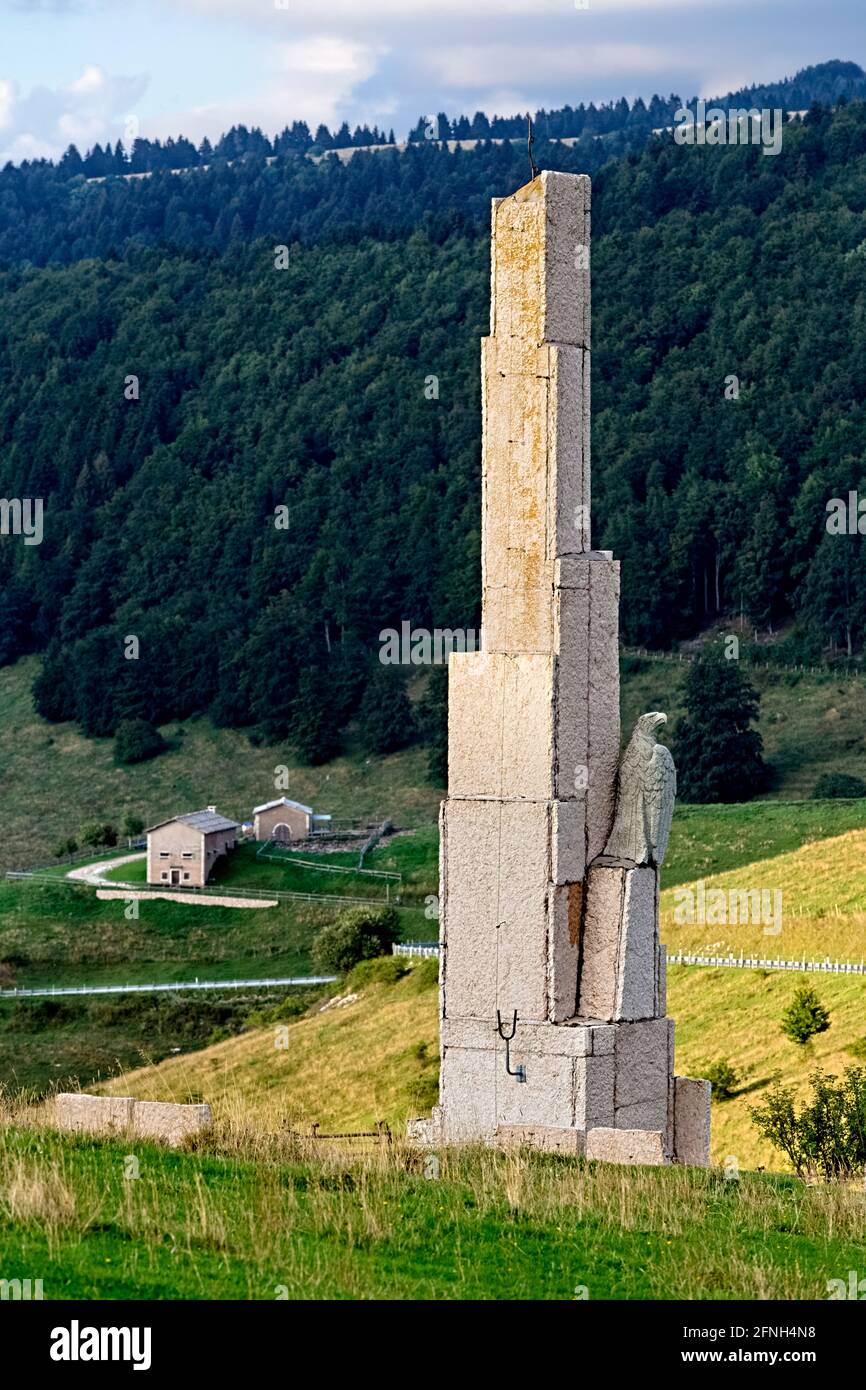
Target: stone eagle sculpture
(646,791)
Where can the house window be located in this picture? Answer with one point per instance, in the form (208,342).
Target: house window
(164,874)
(163,854)
(187,854)
(186,873)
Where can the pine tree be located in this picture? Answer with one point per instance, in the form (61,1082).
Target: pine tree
(718,755)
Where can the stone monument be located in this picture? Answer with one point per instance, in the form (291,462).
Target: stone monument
(553,1022)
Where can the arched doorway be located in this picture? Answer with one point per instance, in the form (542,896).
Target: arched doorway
(281,833)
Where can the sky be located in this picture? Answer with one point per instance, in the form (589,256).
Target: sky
(82,71)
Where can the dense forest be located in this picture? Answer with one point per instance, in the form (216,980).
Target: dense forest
(245,468)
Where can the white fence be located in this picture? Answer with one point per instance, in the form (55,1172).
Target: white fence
(171,988)
(741,962)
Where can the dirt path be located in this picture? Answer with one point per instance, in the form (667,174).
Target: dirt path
(95,873)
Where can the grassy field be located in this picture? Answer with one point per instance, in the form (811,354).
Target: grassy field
(263,1217)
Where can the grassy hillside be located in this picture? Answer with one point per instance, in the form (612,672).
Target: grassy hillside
(205,766)
(376,1058)
(823,905)
(816,726)
(261,1217)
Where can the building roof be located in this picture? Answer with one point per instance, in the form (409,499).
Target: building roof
(206,821)
(282,801)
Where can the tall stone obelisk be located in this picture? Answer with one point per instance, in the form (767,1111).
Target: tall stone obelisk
(534,742)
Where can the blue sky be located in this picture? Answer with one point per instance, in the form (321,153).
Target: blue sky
(88,70)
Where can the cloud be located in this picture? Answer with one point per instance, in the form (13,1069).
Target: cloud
(476,65)
(45,121)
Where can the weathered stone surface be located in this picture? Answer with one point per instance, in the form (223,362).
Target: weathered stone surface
(692,1121)
(172,1124)
(493,911)
(546,1097)
(500,726)
(76,1110)
(162,1121)
(642,1051)
(661,980)
(627,1146)
(594,1092)
(637,965)
(547,1138)
(565,910)
(605,892)
(568,838)
(467,1094)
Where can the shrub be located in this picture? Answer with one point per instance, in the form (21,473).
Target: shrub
(360,933)
(836,785)
(805,1016)
(381,970)
(95,835)
(133,825)
(65,848)
(724,1079)
(827,1135)
(136,740)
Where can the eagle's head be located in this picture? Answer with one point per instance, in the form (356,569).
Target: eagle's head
(649,722)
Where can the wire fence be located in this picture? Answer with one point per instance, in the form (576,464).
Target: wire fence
(267,982)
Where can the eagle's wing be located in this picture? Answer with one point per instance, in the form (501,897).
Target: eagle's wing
(660,790)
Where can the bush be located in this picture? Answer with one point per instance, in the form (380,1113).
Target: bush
(136,740)
(827,1136)
(133,825)
(65,848)
(95,835)
(381,970)
(724,1079)
(359,933)
(836,785)
(805,1016)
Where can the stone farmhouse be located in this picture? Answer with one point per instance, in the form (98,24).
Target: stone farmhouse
(285,820)
(182,851)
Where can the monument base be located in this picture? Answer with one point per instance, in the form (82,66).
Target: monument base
(606,1090)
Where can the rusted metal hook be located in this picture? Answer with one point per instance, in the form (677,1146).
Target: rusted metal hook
(519,1071)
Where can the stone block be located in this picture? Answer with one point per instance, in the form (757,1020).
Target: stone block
(568,481)
(546,1138)
(546,1097)
(594,1092)
(692,1121)
(642,1063)
(167,1122)
(532,1039)
(568,832)
(493,906)
(467,1095)
(500,726)
(605,892)
(641,1146)
(161,1121)
(564,925)
(78,1111)
(637,983)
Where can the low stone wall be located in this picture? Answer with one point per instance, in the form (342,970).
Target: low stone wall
(160,1121)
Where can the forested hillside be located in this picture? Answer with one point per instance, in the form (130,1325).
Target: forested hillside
(309,388)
